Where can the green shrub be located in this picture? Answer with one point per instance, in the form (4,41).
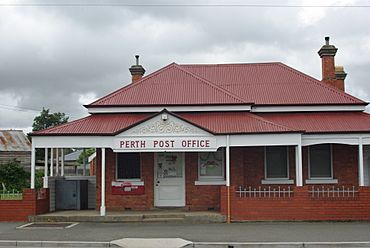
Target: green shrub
(13,176)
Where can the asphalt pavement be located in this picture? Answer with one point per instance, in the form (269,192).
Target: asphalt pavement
(236,232)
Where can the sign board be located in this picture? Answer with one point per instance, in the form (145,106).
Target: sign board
(127,188)
(165,144)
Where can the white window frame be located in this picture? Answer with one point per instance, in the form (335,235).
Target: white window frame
(287,165)
(127,179)
(212,178)
(331,165)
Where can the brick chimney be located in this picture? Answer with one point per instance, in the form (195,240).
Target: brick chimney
(331,74)
(340,75)
(137,71)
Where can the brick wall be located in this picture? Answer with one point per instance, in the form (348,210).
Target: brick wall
(300,207)
(197,197)
(249,161)
(246,169)
(19,210)
(122,202)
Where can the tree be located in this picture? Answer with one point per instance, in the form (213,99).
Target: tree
(85,155)
(13,176)
(47,119)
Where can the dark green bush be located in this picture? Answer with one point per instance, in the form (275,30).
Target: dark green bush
(13,176)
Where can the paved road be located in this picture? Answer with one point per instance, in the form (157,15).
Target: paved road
(237,232)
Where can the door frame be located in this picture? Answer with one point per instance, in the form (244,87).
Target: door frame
(183,181)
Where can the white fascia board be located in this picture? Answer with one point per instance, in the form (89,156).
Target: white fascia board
(148,109)
(72,141)
(312,108)
(108,141)
(348,139)
(265,139)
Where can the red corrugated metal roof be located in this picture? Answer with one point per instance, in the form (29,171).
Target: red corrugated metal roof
(214,122)
(234,122)
(260,83)
(322,122)
(97,124)
(171,85)
(271,83)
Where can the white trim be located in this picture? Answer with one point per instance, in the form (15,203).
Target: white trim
(215,182)
(51,160)
(331,165)
(227,160)
(277,181)
(46,158)
(189,108)
(308,108)
(62,161)
(102,204)
(361,179)
(284,139)
(321,181)
(348,139)
(298,165)
(57,162)
(91,157)
(33,166)
(287,164)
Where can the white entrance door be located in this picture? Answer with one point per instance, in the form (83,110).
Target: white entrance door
(169,180)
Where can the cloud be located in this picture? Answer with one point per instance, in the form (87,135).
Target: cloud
(61,57)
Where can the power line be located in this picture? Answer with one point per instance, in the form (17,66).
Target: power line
(17,108)
(176,5)
(26,109)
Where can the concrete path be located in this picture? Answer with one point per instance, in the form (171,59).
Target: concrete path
(150,243)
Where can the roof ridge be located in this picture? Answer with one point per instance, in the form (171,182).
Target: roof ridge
(271,123)
(129,86)
(318,82)
(231,64)
(211,84)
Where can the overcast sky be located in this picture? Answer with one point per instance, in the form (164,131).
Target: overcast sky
(60,57)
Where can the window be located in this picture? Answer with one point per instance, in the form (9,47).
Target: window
(276,162)
(320,161)
(211,165)
(128,165)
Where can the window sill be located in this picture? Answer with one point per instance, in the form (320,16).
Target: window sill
(277,181)
(321,181)
(133,182)
(221,182)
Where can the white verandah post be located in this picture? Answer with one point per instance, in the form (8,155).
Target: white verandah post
(57,162)
(228,177)
(102,205)
(33,165)
(361,178)
(46,183)
(62,161)
(298,165)
(52,162)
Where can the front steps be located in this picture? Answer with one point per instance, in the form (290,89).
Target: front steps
(128,216)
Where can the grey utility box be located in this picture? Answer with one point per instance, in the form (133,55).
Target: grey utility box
(71,194)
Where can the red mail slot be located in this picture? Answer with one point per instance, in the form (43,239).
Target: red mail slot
(127,188)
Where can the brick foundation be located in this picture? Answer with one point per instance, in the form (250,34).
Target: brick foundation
(19,210)
(299,207)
